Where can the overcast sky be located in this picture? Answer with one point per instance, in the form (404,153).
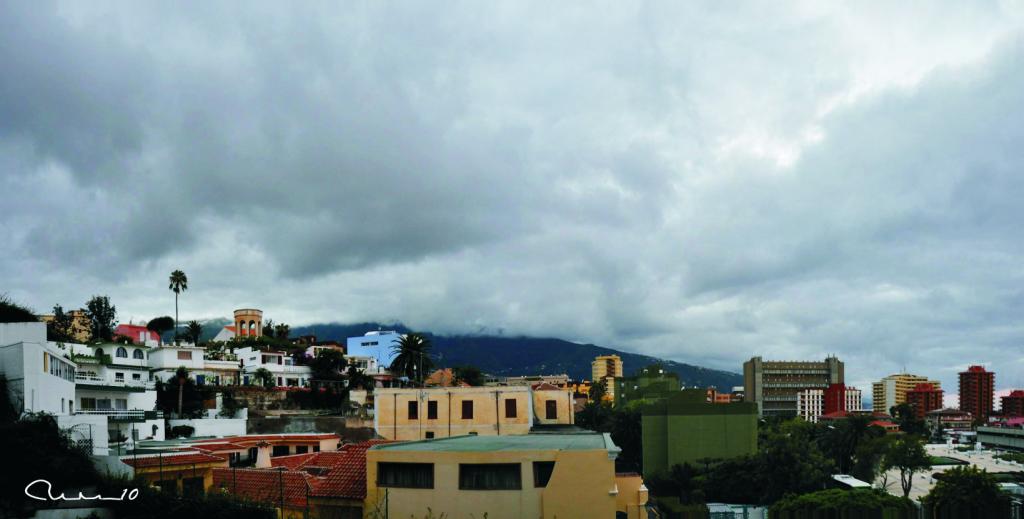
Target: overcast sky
(698,182)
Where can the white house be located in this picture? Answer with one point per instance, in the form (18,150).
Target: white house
(281,366)
(164,362)
(377,345)
(226,334)
(41,378)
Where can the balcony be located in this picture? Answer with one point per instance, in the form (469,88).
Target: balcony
(81,378)
(124,415)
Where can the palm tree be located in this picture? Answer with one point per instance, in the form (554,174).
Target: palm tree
(413,356)
(179,284)
(182,375)
(194,330)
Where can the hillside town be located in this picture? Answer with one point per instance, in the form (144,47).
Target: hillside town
(298,427)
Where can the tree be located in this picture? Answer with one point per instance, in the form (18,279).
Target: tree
(907,419)
(469,374)
(868,457)
(160,325)
(179,284)
(194,331)
(281,331)
(102,318)
(908,455)
(967,492)
(413,356)
(840,440)
(265,378)
(597,391)
(858,502)
(60,328)
(179,394)
(268,328)
(11,312)
(627,434)
(328,365)
(358,379)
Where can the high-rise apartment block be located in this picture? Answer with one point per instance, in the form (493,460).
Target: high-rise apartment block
(924,398)
(814,403)
(891,391)
(605,368)
(774,385)
(1013,404)
(977,391)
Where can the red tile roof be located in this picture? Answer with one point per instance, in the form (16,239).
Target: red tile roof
(217,447)
(243,441)
(170,460)
(292,462)
(347,478)
(133,330)
(265,485)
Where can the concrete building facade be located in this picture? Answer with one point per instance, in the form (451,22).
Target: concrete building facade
(812,404)
(1013,404)
(774,385)
(605,369)
(425,413)
(891,391)
(977,392)
(924,398)
(502,477)
(685,427)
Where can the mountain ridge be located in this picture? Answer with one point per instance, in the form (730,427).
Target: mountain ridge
(522,355)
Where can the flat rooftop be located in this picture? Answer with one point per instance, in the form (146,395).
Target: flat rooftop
(574,441)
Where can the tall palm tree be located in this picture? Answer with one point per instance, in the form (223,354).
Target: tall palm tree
(413,356)
(179,284)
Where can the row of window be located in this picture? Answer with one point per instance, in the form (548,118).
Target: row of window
(472,476)
(121,352)
(58,367)
(94,404)
(511,411)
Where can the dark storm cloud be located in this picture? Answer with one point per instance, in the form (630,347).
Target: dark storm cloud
(688,181)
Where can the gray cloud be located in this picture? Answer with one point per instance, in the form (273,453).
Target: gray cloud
(686,181)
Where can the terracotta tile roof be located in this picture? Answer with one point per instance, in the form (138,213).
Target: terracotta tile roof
(169,460)
(292,462)
(347,478)
(216,447)
(244,441)
(545,386)
(265,485)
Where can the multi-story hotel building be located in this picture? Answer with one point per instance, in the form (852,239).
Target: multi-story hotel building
(813,403)
(774,385)
(977,391)
(891,391)
(924,398)
(605,368)
(1013,404)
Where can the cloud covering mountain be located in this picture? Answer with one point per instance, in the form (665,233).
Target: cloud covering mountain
(694,182)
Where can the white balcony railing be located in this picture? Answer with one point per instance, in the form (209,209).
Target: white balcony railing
(90,379)
(122,414)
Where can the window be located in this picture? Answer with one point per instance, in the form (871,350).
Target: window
(99,352)
(136,376)
(88,404)
(405,475)
(121,352)
(184,355)
(121,404)
(490,476)
(430,435)
(279,450)
(316,448)
(301,449)
(118,377)
(510,408)
(467,409)
(137,354)
(103,403)
(551,409)
(542,472)
(432,410)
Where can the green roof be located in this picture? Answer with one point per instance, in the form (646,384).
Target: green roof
(576,441)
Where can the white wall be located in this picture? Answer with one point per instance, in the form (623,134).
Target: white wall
(167,357)
(36,389)
(11,333)
(214,426)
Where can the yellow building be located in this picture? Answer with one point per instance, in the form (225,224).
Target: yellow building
(545,476)
(892,390)
(81,327)
(181,473)
(425,413)
(604,369)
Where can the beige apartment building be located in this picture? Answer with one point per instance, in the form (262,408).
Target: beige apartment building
(425,413)
(892,390)
(605,368)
